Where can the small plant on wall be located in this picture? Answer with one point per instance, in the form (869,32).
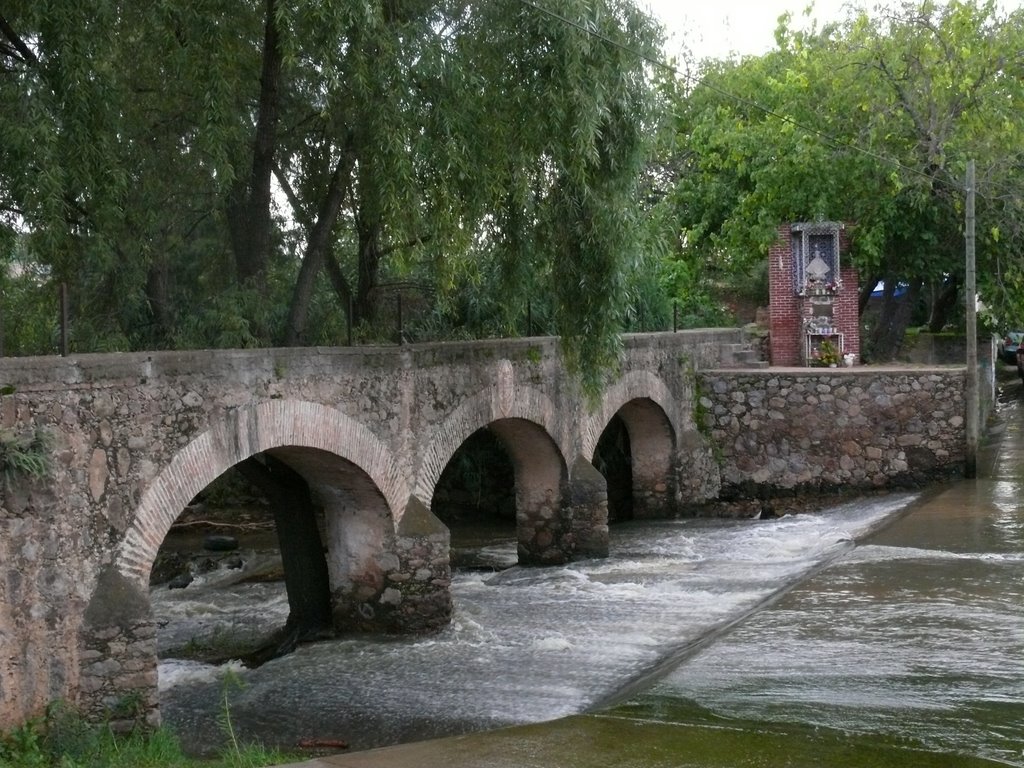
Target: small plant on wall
(25,455)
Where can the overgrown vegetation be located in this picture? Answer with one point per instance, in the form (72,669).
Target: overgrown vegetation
(62,739)
(216,175)
(870,120)
(233,175)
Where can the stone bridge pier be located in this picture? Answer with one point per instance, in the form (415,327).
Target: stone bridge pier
(135,437)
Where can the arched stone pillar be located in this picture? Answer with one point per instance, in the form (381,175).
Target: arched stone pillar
(588,494)
(543,518)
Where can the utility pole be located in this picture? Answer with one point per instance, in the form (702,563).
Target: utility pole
(971,462)
(63,319)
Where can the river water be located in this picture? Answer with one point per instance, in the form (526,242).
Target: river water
(881,625)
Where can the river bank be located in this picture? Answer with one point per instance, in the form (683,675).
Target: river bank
(614,741)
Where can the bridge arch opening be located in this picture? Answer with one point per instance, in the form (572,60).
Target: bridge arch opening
(387,558)
(530,497)
(284,538)
(634,454)
(475,497)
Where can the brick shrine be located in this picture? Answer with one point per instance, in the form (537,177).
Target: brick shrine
(813,295)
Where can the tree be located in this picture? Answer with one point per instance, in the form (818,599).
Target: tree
(467,132)
(410,138)
(302,555)
(870,121)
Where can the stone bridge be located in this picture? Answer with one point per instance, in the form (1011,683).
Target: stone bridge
(135,437)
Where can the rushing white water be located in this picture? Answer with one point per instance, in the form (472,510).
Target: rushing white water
(525,645)
(219,608)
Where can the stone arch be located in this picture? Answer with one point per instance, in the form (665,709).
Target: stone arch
(360,487)
(476,413)
(524,423)
(276,424)
(642,402)
(635,385)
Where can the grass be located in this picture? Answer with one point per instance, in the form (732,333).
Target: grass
(28,455)
(64,740)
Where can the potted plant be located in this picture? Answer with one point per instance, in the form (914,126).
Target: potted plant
(827,354)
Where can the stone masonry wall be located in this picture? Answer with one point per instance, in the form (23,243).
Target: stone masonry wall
(826,429)
(137,435)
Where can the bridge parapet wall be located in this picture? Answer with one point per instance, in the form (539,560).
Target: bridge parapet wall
(784,431)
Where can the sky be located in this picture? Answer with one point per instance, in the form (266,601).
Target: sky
(719,28)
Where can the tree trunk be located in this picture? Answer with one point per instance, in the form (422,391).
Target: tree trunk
(249,217)
(317,251)
(892,325)
(302,553)
(340,284)
(864,296)
(365,307)
(943,304)
(158,296)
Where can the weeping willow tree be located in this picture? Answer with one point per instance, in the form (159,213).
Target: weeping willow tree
(241,173)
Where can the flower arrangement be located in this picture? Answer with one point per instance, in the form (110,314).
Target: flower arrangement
(817,287)
(827,354)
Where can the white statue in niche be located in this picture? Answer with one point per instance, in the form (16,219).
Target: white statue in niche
(817,269)
(816,274)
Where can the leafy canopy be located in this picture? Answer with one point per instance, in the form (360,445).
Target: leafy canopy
(207,173)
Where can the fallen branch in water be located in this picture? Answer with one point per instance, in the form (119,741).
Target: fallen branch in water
(215,524)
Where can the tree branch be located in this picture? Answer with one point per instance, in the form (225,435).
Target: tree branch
(412,241)
(293,199)
(19,45)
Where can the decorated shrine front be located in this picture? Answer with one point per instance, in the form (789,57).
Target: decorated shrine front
(813,297)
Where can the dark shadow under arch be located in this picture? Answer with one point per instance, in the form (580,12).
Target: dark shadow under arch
(528,494)
(311,498)
(475,498)
(635,453)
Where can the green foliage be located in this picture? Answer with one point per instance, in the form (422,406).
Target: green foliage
(826,354)
(64,740)
(26,455)
(29,301)
(870,121)
(418,141)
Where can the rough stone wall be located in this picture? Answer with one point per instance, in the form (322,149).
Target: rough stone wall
(138,435)
(823,429)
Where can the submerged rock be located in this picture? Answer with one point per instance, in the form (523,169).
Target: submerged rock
(180,581)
